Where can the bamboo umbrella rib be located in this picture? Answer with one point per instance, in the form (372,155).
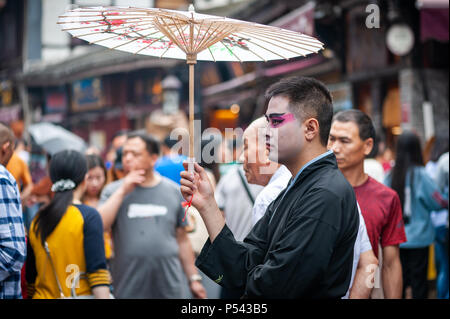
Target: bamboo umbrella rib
(156,40)
(208,40)
(173,35)
(231,51)
(164,52)
(141,37)
(256,54)
(218,37)
(212,55)
(191,37)
(274,44)
(171,14)
(273,52)
(104,39)
(214,39)
(279,38)
(101,25)
(198,35)
(284,48)
(277,35)
(113,16)
(181,34)
(113,10)
(168,34)
(102,15)
(99,20)
(206,37)
(203,37)
(278,31)
(114,30)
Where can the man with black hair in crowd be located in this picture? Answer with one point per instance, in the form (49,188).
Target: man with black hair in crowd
(144,211)
(351,139)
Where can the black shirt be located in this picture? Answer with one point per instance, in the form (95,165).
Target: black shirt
(304,251)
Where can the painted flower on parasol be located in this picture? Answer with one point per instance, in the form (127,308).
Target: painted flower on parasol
(185,35)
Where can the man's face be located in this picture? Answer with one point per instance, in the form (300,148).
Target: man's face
(285,137)
(255,157)
(349,148)
(118,141)
(135,155)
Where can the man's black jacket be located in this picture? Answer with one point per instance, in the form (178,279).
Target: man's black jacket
(304,251)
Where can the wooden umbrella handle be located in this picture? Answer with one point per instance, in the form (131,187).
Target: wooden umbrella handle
(191,61)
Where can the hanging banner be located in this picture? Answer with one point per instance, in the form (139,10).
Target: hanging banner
(55,100)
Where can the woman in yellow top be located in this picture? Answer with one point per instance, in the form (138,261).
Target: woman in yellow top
(95,180)
(66,237)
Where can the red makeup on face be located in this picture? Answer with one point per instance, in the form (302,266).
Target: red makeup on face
(277,120)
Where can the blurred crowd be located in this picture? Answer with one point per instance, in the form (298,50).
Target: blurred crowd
(121,222)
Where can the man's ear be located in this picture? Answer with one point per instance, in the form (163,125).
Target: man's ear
(5,146)
(311,129)
(368,146)
(154,158)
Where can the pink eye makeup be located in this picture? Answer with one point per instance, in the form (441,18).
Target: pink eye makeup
(277,120)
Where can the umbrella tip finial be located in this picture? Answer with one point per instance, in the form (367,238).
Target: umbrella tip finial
(191,8)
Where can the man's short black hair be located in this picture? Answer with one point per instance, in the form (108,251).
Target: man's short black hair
(121,133)
(308,98)
(361,119)
(151,143)
(169,142)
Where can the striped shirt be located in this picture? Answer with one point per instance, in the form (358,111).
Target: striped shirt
(12,237)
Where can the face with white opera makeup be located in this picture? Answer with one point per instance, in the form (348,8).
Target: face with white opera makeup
(284,138)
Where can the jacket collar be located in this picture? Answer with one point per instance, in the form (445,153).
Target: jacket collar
(325,159)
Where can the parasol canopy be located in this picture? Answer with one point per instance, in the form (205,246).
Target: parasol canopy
(174,34)
(185,35)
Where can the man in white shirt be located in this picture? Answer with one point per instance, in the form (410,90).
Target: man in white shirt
(275,177)
(260,170)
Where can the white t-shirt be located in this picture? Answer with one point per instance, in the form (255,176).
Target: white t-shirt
(232,198)
(276,184)
(374,169)
(362,244)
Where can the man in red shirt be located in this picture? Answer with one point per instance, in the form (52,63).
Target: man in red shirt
(351,139)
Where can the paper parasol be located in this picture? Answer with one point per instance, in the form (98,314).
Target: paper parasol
(185,35)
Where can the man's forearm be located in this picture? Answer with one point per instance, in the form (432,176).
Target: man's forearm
(362,285)
(108,211)
(364,276)
(101,292)
(187,257)
(213,219)
(26,192)
(392,280)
